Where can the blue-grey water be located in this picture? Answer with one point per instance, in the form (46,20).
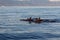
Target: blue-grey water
(11,28)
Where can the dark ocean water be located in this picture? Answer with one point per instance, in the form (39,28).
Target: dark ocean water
(11,28)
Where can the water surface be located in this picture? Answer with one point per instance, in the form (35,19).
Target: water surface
(11,28)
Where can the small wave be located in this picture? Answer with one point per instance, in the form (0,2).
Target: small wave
(33,35)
